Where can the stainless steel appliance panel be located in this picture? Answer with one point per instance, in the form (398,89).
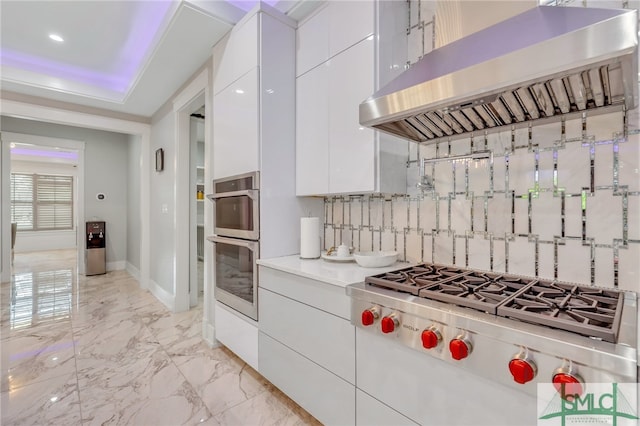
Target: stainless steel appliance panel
(95,254)
(95,261)
(236,274)
(515,72)
(237,206)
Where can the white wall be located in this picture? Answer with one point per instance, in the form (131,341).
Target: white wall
(105,171)
(162,217)
(133,205)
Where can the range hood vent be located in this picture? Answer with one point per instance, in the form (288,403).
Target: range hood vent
(539,65)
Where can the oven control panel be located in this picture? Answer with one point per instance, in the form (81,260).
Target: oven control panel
(480,350)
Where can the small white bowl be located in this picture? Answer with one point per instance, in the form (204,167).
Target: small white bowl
(375,259)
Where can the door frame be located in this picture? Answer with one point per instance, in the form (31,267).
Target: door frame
(192,98)
(78,187)
(13,108)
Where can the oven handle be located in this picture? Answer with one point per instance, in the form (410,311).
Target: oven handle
(251,193)
(251,245)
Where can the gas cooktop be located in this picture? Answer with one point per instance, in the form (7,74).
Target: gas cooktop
(521,332)
(590,311)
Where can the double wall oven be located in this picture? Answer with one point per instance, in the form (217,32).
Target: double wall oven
(236,241)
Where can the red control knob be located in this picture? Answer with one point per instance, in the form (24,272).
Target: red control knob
(369,316)
(460,348)
(389,324)
(430,338)
(522,370)
(568,385)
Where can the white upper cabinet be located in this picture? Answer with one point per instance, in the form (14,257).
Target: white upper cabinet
(313,36)
(312,132)
(334,153)
(351,146)
(236,54)
(349,23)
(332,29)
(235,130)
(254,98)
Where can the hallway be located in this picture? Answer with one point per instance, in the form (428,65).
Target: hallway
(79,350)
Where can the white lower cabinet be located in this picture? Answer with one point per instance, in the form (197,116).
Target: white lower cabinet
(326,339)
(371,412)
(307,344)
(309,349)
(238,334)
(323,296)
(324,395)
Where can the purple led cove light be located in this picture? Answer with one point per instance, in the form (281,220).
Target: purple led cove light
(149,16)
(50,154)
(247,5)
(64,71)
(147,23)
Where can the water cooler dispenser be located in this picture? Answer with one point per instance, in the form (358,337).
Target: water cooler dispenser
(96,248)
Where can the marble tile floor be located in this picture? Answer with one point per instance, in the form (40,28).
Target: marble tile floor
(98,350)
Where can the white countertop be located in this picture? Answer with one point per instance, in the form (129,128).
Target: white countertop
(336,273)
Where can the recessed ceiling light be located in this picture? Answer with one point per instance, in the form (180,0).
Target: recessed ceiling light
(56,37)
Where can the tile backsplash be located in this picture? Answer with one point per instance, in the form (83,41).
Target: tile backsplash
(559,201)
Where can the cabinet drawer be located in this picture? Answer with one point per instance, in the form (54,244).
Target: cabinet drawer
(327,397)
(326,297)
(371,412)
(237,334)
(324,338)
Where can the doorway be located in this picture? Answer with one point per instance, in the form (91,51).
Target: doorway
(46,192)
(191,178)
(198,200)
(192,99)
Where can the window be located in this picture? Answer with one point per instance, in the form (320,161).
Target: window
(41,202)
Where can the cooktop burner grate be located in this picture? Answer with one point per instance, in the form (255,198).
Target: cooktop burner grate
(590,311)
(413,279)
(594,312)
(477,290)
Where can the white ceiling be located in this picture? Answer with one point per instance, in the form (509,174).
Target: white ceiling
(125,56)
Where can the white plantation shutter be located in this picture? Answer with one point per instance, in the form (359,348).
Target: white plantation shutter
(42,202)
(54,202)
(22,200)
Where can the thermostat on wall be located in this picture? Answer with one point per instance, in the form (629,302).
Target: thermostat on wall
(100,196)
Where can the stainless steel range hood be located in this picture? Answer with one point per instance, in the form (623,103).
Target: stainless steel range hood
(538,65)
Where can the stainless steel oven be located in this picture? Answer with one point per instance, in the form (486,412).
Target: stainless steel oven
(236,274)
(236,242)
(237,206)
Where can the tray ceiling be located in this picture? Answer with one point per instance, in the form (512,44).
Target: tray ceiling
(124,56)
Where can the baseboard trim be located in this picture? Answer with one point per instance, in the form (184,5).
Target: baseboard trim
(209,334)
(118,265)
(133,271)
(167,299)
